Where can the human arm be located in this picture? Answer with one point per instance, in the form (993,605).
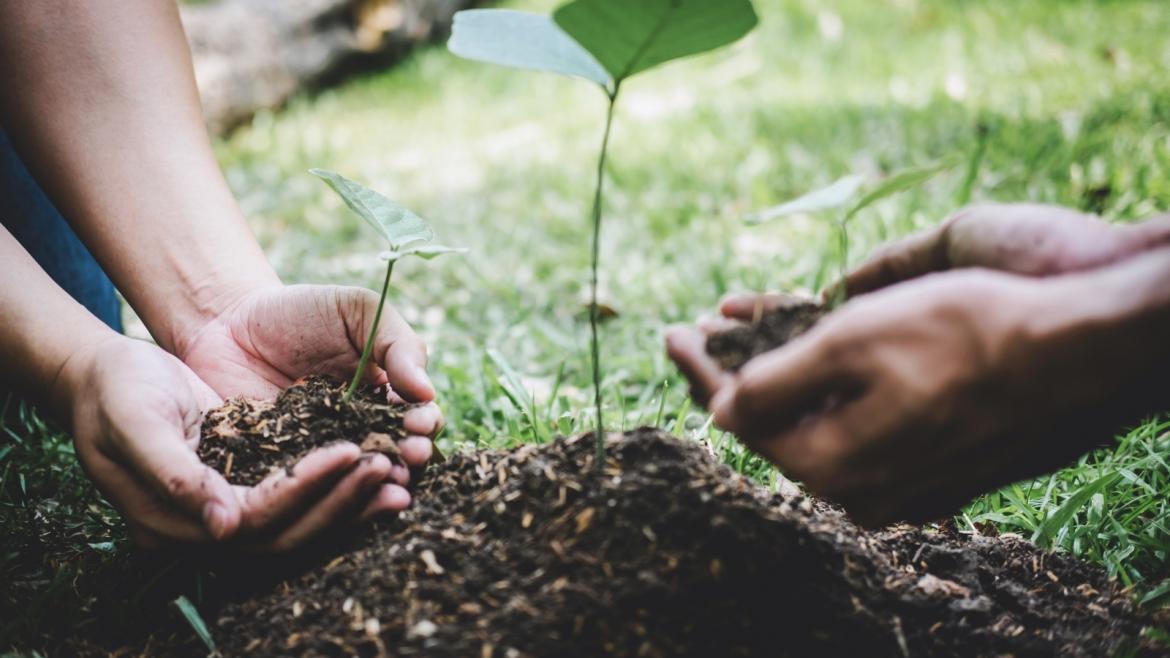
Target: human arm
(135,413)
(101,101)
(907,402)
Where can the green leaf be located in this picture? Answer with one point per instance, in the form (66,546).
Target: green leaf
(400,226)
(425,251)
(899,182)
(1060,518)
(191,614)
(836,195)
(631,36)
(522,40)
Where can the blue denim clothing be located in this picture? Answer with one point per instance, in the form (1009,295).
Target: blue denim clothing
(28,214)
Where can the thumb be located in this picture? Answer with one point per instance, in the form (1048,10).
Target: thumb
(159,455)
(397,349)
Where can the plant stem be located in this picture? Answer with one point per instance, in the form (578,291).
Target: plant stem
(594,309)
(843,247)
(369,348)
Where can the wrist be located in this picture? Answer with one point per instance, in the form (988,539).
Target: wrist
(1099,336)
(201,300)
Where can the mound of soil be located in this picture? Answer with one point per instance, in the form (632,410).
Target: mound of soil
(790,318)
(247,440)
(665,552)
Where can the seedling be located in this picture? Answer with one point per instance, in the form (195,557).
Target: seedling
(852,194)
(406,233)
(605,42)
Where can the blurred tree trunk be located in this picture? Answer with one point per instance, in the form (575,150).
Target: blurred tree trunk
(251,55)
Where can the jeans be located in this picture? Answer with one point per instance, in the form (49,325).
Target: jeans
(28,214)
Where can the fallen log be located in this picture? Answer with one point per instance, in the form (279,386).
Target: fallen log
(252,55)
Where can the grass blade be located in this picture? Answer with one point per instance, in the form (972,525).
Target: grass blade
(191,614)
(1060,518)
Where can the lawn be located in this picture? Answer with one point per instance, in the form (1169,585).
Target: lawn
(1072,92)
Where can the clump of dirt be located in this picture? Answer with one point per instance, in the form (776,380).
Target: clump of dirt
(789,318)
(665,552)
(247,440)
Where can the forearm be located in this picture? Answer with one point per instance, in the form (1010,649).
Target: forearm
(101,101)
(43,329)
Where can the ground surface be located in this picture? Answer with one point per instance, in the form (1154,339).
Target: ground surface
(1074,92)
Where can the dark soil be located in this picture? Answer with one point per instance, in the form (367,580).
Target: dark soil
(665,552)
(775,327)
(247,440)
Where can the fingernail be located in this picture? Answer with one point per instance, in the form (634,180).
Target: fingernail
(215,518)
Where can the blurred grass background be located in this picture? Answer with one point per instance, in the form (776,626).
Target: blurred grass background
(1073,92)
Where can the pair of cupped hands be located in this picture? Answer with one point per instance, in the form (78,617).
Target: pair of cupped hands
(959,364)
(136,412)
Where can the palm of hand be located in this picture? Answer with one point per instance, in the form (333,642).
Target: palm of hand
(275,336)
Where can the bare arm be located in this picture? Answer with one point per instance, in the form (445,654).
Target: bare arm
(100,100)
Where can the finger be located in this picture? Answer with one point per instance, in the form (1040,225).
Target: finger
(400,475)
(907,259)
(745,307)
(713,324)
(159,455)
(416,450)
(285,494)
(151,521)
(688,348)
(777,389)
(345,501)
(390,499)
(404,358)
(426,420)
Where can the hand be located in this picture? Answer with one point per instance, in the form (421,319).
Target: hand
(272,336)
(1025,239)
(136,413)
(906,403)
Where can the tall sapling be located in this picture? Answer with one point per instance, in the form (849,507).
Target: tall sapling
(406,232)
(605,42)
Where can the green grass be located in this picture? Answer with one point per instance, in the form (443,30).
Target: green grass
(1074,93)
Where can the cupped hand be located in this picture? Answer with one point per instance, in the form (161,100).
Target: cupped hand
(1026,239)
(906,403)
(272,336)
(136,412)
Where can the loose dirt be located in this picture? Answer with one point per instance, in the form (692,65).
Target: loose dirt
(665,552)
(774,327)
(247,440)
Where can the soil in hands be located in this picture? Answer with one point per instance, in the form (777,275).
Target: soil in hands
(665,552)
(773,328)
(248,440)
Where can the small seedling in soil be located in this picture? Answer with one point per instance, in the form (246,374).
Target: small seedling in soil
(794,315)
(247,440)
(605,42)
(850,195)
(405,232)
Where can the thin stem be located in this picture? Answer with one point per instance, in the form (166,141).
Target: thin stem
(843,247)
(369,348)
(594,309)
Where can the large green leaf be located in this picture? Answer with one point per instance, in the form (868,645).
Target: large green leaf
(631,36)
(400,226)
(522,40)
